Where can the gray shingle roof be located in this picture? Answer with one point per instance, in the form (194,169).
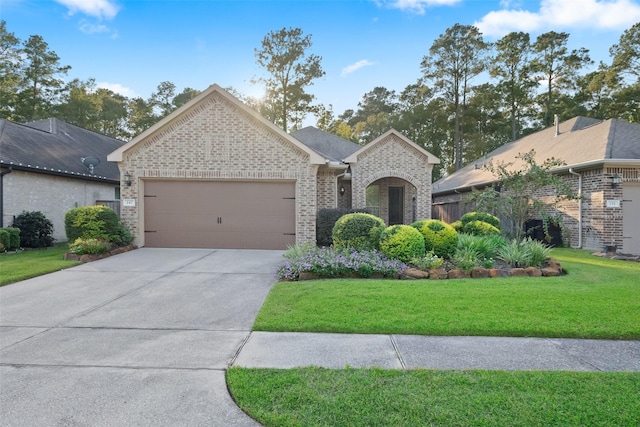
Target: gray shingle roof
(581,140)
(56,147)
(330,146)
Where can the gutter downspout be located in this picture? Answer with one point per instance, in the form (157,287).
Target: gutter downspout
(2,174)
(579,206)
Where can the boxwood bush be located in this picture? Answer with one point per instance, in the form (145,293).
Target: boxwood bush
(360,231)
(96,222)
(402,242)
(326,220)
(480,228)
(439,236)
(35,229)
(480,216)
(14,238)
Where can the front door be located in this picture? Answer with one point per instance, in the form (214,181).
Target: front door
(396,205)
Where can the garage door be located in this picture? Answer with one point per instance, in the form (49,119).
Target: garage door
(232,215)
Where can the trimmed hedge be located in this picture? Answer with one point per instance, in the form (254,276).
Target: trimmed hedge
(35,229)
(480,228)
(14,238)
(480,216)
(402,242)
(326,220)
(4,239)
(360,231)
(96,222)
(439,236)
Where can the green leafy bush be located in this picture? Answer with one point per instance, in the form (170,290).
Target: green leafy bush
(89,246)
(35,229)
(465,259)
(96,222)
(480,228)
(360,231)
(538,251)
(480,216)
(427,262)
(4,239)
(439,236)
(14,238)
(486,246)
(526,253)
(457,225)
(401,242)
(326,220)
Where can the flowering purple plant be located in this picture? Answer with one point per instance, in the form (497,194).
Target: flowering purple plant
(334,263)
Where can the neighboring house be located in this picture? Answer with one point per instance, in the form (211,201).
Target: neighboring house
(52,166)
(216,174)
(602,164)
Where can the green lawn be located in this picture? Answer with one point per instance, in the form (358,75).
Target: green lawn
(31,263)
(598,298)
(375,397)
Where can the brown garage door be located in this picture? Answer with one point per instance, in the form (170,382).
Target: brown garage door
(232,215)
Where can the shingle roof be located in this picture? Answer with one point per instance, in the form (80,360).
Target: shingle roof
(581,140)
(330,146)
(56,147)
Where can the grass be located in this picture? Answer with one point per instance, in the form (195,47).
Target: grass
(375,397)
(598,298)
(16,266)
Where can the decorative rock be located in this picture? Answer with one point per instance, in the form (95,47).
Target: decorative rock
(554,264)
(518,272)
(479,272)
(533,271)
(414,273)
(438,274)
(457,274)
(550,272)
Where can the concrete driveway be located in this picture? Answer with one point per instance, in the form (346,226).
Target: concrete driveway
(141,338)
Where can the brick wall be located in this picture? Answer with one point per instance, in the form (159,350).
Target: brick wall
(392,157)
(216,140)
(50,194)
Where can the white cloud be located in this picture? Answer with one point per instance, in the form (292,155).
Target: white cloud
(356,66)
(118,88)
(559,14)
(97,8)
(415,6)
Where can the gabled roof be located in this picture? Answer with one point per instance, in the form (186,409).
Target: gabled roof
(353,158)
(581,143)
(117,155)
(328,145)
(55,147)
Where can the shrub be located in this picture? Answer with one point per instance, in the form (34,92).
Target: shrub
(89,246)
(427,262)
(457,225)
(487,247)
(325,222)
(538,251)
(35,229)
(331,262)
(480,216)
(96,222)
(439,236)
(401,242)
(298,250)
(14,238)
(360,231)
(465,259)
(480,228)
(5,239)
(514,254)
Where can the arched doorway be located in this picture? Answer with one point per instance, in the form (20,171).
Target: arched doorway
(392,199)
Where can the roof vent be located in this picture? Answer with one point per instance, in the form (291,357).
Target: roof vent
(90,163)
(556,123)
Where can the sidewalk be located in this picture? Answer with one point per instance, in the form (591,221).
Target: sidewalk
(337,351)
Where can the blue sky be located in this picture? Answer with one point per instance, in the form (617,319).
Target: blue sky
(131,46)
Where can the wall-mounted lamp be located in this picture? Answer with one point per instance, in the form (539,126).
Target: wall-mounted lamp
(127,179)
(342,190)
(615,180)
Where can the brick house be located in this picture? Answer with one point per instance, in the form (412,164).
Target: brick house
(602,164)
(52,166)
(216,174)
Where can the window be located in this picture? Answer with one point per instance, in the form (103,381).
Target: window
(373,199)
